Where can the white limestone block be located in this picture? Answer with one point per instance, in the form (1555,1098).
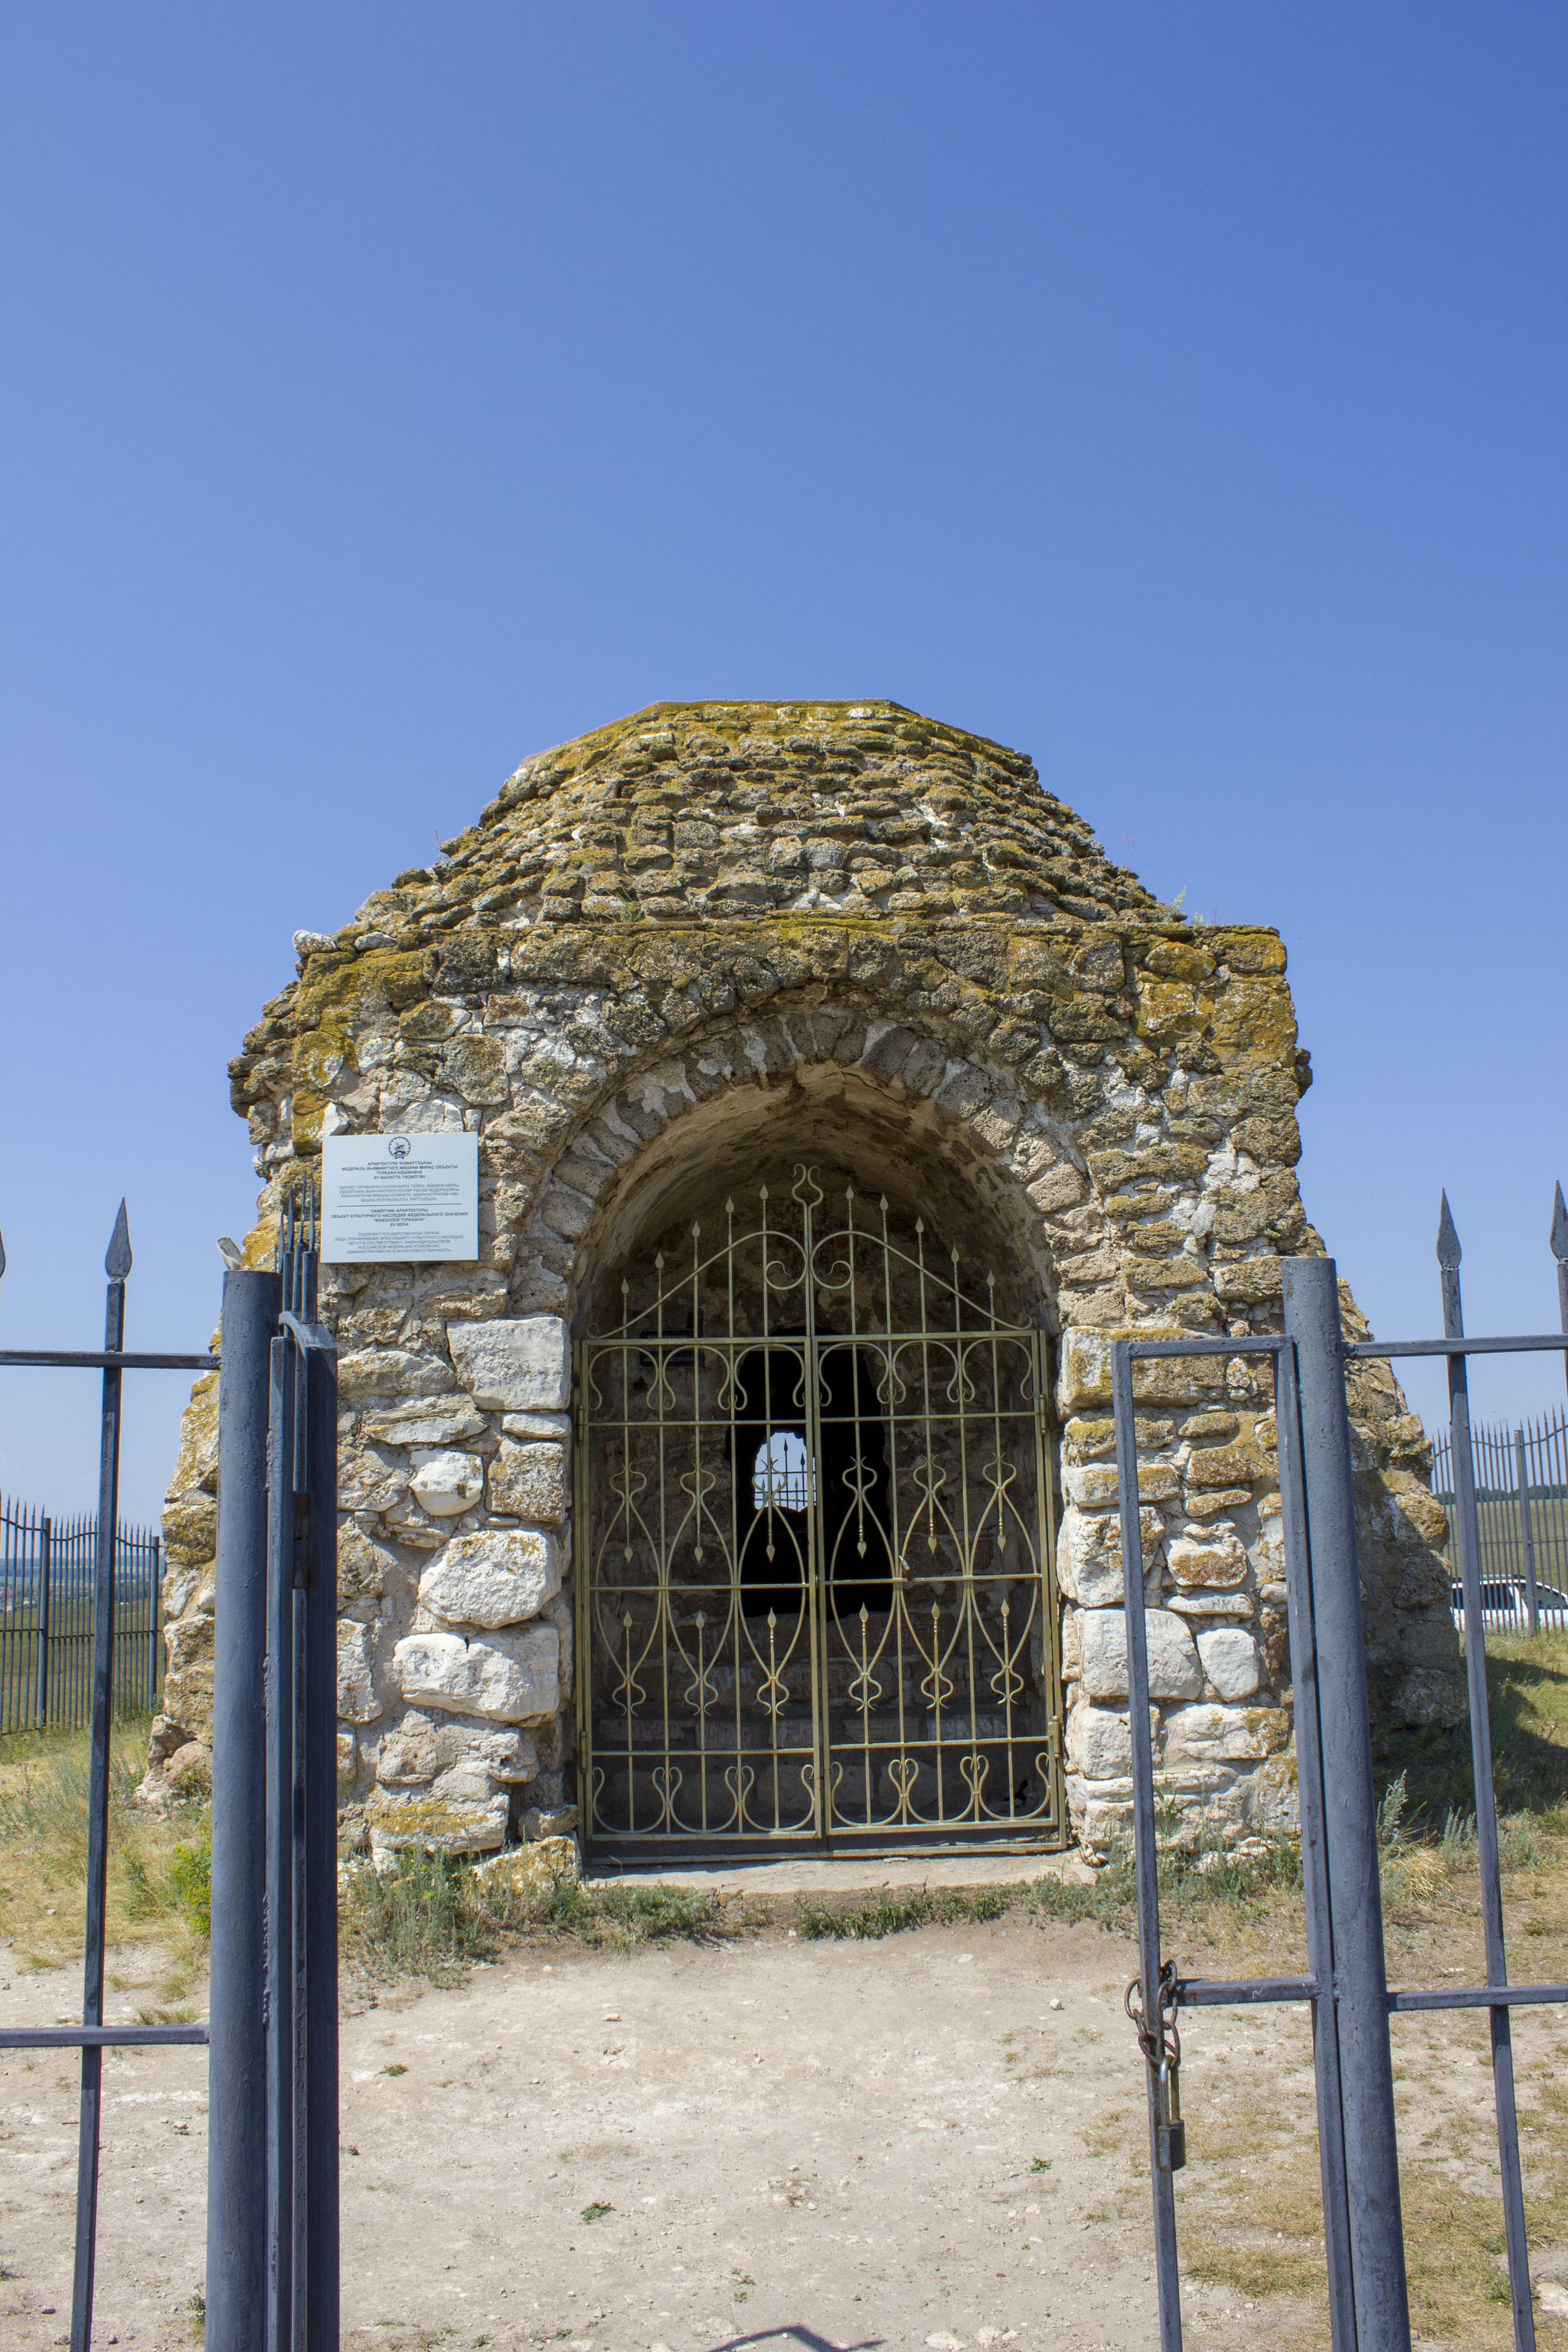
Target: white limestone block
(506,1678)
(521,1365)
(390,1372)
(498,1578)
(1174,1668)
(446,1482)
(1089,1554)
(1207,1734)
(357,1701)
(1231,1662)
(1099,1743)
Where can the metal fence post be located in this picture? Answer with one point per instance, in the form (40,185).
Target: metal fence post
(1526,1532)
(1467,1538)
(1560,1252)
(318,1738)
(238,2105)
(45,1548)
(1326,2066)
(1360,1984)
(1145,1856)
(117,1266)
(154,1677)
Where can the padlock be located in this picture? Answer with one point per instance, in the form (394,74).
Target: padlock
(1170,2131)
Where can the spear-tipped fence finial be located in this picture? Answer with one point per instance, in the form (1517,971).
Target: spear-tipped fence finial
(1449,1250)
(1559,1228)
(117,1256)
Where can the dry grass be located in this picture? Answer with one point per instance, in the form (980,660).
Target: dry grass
(1251,2211)
(157,1876)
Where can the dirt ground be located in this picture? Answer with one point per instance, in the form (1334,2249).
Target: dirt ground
(897,2143)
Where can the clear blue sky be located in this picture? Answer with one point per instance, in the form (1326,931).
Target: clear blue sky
(390,391)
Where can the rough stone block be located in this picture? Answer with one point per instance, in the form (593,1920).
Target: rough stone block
(190,1530)
(1220,1562)
(499,1578)
(357,1701)
(1230,1660)
(445,1482)
(1085,1375)
(390,1372)
(364,1568)
(1089,1554)
(1207,1734)
(1174,1668)
(432,1824)
(507,1678)
(1093,1484)
(523,1365)
(531,1873)
(425,1421)
(1099,1743)
(528,1482)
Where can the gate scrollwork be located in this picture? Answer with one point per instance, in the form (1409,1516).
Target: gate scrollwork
(814,1530)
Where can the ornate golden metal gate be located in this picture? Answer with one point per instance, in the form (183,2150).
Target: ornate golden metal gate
(815,1589)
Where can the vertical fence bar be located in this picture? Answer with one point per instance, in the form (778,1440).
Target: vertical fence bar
(1560,1252)
(238,2128)
(1145,1856)
(280,1911)
(1448,1256)
(117,1266)
(1366,2071)
(321,1826)
(1314,1858)
(1526,1533)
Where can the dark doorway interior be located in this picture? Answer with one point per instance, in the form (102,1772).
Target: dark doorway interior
(778,1486)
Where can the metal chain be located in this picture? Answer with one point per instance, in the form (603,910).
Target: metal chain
(1160,2042)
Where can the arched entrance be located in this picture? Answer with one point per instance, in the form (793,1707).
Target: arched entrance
(815,1518)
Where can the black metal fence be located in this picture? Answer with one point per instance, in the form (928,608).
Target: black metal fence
(1347,1985)
(49,1588)
(1521,1477)
(272,2152)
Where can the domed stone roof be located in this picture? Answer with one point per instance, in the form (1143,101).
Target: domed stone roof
(725,808)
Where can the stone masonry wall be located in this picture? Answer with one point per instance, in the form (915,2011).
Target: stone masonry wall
(717,932)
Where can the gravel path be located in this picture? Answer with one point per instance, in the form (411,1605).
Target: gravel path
(907,2143)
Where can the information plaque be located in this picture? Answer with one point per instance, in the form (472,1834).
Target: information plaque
(412,1197)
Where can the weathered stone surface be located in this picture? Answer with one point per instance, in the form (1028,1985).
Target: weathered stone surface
(1094,1486)
(509,1677)
(423,1748)
(447,1482)
(1221,1562)
(357,1701)
(1230,1660)
(390,1372)
(531,1873)
(1174,1668)
(364,1568)
(498,1578)
(425,1421)
(1239,1735)
(1089,1554)
(1099,1743)
(397,1820)
(528,1482)
(190,1530)
(522,1366)
(837,933)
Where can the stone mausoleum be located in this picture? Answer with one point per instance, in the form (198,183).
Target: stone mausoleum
(839,1101)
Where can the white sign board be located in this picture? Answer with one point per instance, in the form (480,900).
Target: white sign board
(413,1198)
